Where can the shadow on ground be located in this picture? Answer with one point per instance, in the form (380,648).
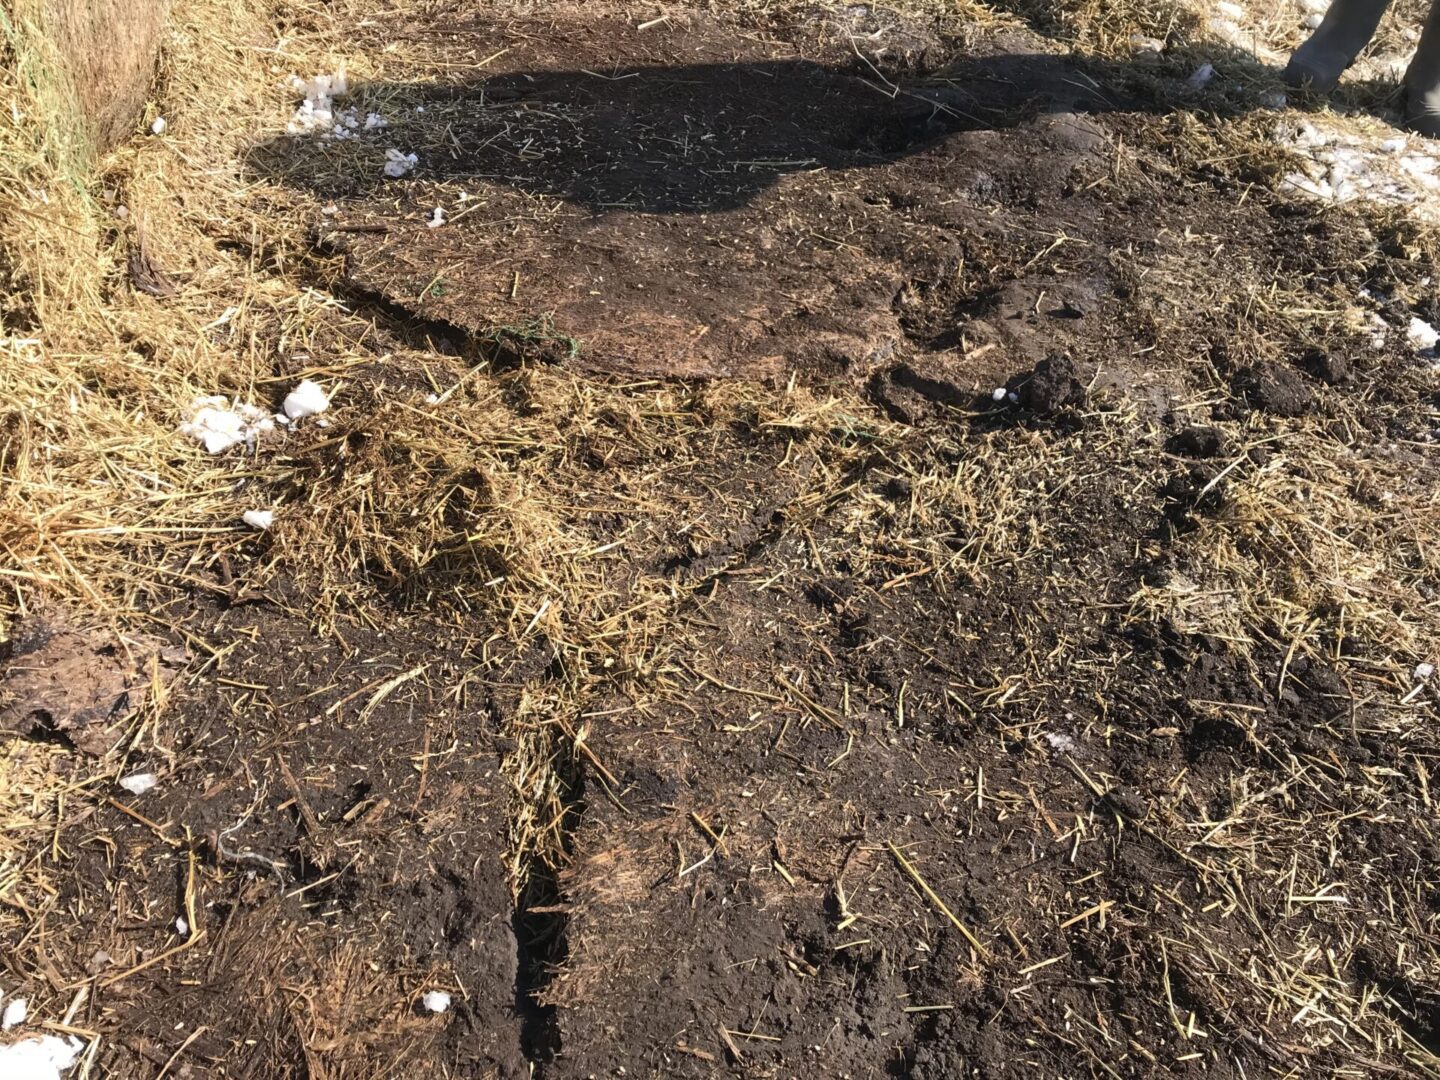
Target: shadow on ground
(705,138)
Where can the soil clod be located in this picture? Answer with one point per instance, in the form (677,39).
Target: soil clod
(1274,388)
(1053,386)
(1330,367)
(1197,441)
(67,679)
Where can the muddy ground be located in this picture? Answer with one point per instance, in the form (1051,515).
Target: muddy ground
(950,672)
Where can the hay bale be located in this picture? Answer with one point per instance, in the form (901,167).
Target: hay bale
(109,48)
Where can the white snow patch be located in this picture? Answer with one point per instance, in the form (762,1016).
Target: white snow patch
(159,126)
(998,394)
(1060,741)
(1299,184)
(398,164)
(1202,76)
(436,219)
(45,1058)
(436,1001)
(218,425)
(1421,334)
(1337,166)
(16,1010)
(307,399)
(1423,672)
(316,112)
(182,927)
(258,519)
(138,783)
(1379,330)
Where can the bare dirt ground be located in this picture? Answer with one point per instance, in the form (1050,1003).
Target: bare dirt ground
(867,544)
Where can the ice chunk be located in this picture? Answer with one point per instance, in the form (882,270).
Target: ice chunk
(138,783)
(398,164)
(45,1058)
(307,399)
(16,1010)
(1421,334)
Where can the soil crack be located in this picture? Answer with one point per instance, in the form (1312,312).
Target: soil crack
(550,802)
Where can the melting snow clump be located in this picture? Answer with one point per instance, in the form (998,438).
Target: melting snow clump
(159,126)
(16,1010)
(437,1001)
(1378,328)
(1147,47)
(307,399)
(436,219)
(316,114)
(258,519)
(44,1058)
(139,783)
(1060,741)
(218,426)
(1337,166)
(1421,334)
(398,164)
(1423,672)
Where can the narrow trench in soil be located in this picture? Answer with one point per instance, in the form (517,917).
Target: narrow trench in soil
(540,921)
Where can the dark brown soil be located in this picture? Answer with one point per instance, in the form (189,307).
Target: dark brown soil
(76,682)
(1275,389)
(710,202)
(913,683)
